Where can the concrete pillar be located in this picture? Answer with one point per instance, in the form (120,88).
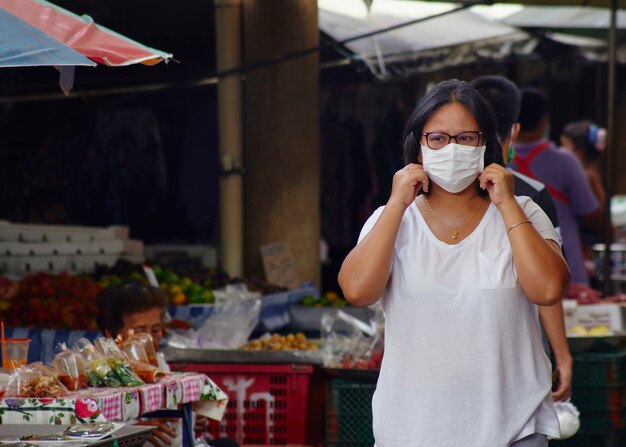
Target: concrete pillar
(282,134)
(228,49)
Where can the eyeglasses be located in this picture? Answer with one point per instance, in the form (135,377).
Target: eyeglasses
(437,140)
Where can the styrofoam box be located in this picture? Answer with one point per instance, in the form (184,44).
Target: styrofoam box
(17,232)
(611,315)
(32,264)
(113,246)
(58,264)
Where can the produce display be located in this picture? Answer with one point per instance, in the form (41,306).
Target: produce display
(373,362)
(328,299)
(278,342)
(184,282)
(52,301)
(182,286)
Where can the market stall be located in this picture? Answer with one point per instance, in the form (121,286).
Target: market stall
(122,404)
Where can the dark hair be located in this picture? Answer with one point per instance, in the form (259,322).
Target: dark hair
(534,106)
(448,92)
(505,99)
(585,134)
(116,301)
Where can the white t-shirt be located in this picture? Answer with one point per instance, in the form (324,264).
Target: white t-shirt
(463,364)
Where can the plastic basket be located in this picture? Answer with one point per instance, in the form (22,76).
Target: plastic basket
(349,413)
(601,398)
(602,368)
(268,404)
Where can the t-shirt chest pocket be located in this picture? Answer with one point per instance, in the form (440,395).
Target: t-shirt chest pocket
(497,270)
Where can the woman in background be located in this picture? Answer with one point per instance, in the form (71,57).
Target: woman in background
(588,142)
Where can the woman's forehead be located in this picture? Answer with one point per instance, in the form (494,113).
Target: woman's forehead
(451,118)
(148,317)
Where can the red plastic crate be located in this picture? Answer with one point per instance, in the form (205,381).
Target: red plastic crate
(268,404)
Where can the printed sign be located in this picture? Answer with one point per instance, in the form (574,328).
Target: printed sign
(280,265)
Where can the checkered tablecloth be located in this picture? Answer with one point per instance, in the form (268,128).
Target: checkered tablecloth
(119,404)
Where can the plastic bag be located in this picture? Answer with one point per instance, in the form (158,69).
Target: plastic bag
(135,349)
(235,315)
(569,418)
(35,380)
(70,367)
(118,362)
(351,343)
(99,373)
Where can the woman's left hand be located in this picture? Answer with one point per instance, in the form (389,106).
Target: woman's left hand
(498,181)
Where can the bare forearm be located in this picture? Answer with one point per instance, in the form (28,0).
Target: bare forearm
(365,271)
(554,326)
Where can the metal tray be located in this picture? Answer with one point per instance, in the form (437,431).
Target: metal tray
(127,436)
(177,355)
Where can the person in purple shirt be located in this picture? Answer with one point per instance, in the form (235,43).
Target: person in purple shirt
(563,175)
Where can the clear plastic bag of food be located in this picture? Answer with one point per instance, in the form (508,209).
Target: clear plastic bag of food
(135,347)
(35,380)
(235,315)
(350,342)
(148,345)
(70,367)
(146,372)
(99,372)
(118,362)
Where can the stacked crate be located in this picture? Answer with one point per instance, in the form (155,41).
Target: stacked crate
(599,392)
(30,248)
(349,413)
(269,404)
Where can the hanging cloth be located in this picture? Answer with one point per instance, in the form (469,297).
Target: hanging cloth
(523,167)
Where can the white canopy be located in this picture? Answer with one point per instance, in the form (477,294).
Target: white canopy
(457,37)
(482,32)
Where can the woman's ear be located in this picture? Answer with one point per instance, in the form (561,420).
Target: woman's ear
(515,132)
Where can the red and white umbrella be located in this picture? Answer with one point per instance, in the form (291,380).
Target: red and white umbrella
(83,35)
(37,32)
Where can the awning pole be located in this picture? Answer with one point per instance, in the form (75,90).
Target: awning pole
(608,163)
(228,46)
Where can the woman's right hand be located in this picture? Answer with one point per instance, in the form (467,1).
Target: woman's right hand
(407,183)
(164,432)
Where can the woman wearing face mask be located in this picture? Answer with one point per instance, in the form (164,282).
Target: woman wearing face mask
(459,264)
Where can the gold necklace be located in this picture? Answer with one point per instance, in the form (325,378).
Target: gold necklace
(454,234)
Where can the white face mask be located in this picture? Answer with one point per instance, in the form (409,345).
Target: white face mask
(453,167)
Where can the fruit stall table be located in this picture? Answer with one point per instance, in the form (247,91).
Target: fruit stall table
(174,395)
